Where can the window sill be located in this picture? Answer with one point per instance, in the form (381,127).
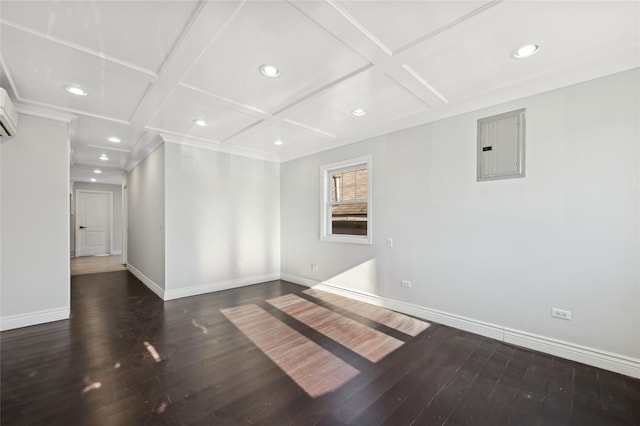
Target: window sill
(347,239)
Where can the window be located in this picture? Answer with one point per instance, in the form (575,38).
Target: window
(346,201)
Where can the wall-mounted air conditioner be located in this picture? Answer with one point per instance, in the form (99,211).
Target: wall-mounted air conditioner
(8,115)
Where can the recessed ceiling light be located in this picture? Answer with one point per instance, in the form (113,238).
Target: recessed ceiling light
(92,179)
(97,171)
(358,112)
(526,51)
(104,157)
(200,122)
(269,70)
(278,142)
(114,139)
(76,91)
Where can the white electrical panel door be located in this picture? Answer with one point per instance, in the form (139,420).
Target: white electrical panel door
(501,146)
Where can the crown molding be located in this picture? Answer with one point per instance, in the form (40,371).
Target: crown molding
(215,146)
(41,112)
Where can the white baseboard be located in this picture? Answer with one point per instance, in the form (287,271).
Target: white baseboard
(306,282)
(116,251)
(218,285)
(34,318)
(178,293)
(598,358)
(595,357)
(159,291)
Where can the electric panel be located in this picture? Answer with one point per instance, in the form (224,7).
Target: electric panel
(501,142)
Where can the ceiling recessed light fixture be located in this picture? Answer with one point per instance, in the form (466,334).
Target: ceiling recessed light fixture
(278,142)
(269,70)
(104,157)
(92,179)
(97,171)
(526,51)
(114,139)
(358,112)
(200,122)
(76,91)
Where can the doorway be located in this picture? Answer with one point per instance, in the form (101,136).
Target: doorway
(96,228)
(94,222)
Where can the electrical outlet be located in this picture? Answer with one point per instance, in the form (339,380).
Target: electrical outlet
(561,313)
(314,267)
(389,242)
(405,283)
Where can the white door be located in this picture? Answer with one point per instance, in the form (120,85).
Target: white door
(93,221)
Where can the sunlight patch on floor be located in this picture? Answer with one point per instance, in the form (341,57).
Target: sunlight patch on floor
(391,319)
(359,338)
(316,370)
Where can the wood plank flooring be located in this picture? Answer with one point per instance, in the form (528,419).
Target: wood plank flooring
(316,370)
(198,367)
(359,338)
(96,264)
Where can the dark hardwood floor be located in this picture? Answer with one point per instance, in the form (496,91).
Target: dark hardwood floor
(127,358)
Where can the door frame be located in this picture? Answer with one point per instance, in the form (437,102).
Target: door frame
(110,217)
(125,223)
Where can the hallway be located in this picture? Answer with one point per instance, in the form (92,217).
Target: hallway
(96,264)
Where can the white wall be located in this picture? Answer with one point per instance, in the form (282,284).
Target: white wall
(116,214)
(222,220)
(35,223)
(501,252)
(146,250)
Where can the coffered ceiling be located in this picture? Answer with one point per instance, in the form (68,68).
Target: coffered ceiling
(150,68)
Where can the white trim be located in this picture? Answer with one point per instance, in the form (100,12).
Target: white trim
(83,49)
(598,358)
(307,282)
(125,221)
(425,83)
(230,103)
(312,129)
(69,194)
(159,291)
(214,146)
(420,40)
(139,156)
(361,28)
(44,113)
(110,248)
(40,109)
(34,318)
(591,356)
(110,148)
(218,286)
(116,252)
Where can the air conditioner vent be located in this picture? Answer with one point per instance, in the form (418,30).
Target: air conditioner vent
(8,116)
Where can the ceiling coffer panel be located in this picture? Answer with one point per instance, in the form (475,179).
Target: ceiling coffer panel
(476,56)
(91,131)
(382,99)
(42,68)
(278,34)
(150,68)
(141,33)
(89,155)
(397,24)
(185,105)
(293,138)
